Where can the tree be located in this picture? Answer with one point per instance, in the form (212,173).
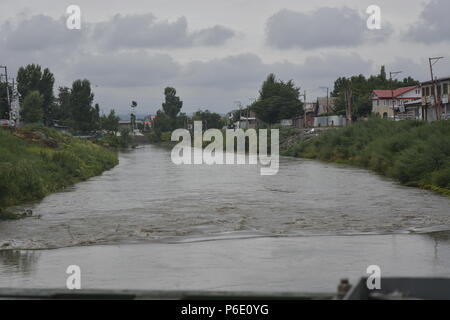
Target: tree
(32,110)
(383,76)
(210,120)
(172,104)
(162,122)
(168,119)
(32,78)
(82,112)
(362,89)
(4,107)
(277,100)
(61,107)
(110,123)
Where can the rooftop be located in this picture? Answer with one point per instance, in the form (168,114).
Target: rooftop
(438,80)
(387,94)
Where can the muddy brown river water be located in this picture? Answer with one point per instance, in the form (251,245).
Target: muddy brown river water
(150,224)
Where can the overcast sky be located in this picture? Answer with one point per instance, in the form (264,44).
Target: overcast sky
(216,52)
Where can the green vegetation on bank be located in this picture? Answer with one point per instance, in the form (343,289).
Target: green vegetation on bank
(415,153)
(36,160)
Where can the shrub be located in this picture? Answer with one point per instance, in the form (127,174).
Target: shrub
(414,152)
(29,170)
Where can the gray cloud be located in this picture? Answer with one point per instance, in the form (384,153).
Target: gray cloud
(248,71)
(242,71)
(212,84)
(144,31)
(229,72)
(38,32)
(130,69)
(433,25)
(213,36)
(324,27)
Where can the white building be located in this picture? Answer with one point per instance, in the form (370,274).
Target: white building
(387,103)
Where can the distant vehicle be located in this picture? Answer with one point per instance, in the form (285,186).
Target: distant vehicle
(5,123)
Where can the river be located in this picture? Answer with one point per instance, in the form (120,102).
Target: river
(149,224)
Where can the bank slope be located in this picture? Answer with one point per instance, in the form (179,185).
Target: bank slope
(415,153)
(36,161)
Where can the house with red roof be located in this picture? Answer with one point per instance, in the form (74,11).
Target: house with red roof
(388,103)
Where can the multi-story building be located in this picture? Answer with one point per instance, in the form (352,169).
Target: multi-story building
(440,108)
(387,103)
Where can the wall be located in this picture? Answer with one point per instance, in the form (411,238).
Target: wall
(336,121)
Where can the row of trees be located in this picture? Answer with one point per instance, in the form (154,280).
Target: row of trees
(72,106)
(361,89)
(281,100)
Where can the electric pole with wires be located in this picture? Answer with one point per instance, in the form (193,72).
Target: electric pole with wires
(437,102)
(392,89)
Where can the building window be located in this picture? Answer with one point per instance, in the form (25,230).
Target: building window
(423,92)
(438,90)
(445,88)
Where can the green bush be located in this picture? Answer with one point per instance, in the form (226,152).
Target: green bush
(166,136)
(441,178)
(414,152)
(31,170)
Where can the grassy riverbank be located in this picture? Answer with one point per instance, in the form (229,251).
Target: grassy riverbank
(36,161)
(413,152)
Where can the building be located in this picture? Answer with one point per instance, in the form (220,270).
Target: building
(126,124)
(439,109)
(387,103)
(410,110)
(149,122)
(325,105)
(330,121)
(310,108)
(247,121)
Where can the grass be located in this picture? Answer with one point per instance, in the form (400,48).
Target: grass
(415,153)
(36,161)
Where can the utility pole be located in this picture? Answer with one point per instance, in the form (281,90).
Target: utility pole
(252,100)
(7,93)
(304,109)
(239,105)
(392,89)
(348,98)
(432,62)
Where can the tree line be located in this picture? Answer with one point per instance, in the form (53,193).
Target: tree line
(361,88)
(72,106)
